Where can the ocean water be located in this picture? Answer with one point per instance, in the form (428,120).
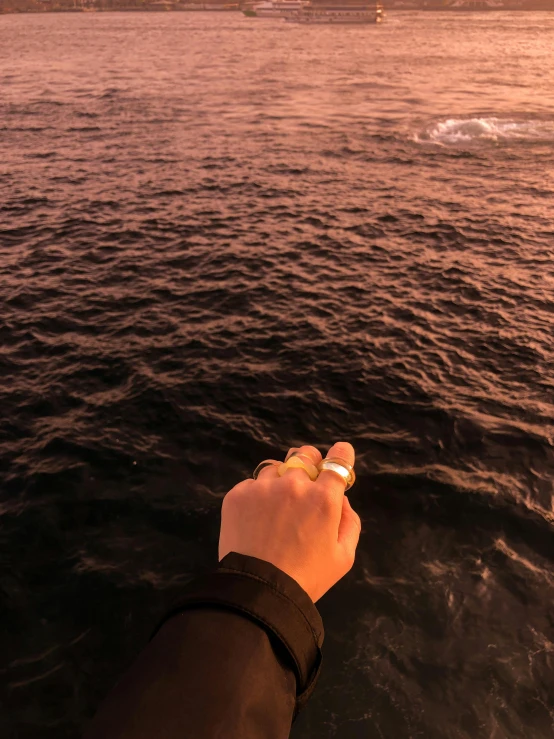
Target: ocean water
(221,237)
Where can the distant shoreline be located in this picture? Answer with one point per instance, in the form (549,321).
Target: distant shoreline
(166,9)
(120,10)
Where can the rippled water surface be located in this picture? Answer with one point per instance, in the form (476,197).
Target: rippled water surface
(221,237)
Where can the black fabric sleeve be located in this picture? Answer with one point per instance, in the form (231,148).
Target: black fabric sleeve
(236,658)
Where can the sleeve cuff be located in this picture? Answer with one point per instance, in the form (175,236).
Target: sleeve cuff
(264,593)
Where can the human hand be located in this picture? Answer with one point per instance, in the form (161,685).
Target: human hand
(307,529)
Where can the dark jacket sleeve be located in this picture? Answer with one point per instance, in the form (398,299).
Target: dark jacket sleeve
(236,658)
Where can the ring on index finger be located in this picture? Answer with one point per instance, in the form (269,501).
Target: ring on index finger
(341,467)
(263,464)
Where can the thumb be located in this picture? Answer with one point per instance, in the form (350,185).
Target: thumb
(350,527)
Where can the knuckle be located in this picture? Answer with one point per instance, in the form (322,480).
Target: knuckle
(228,500)
(353,514)
(326,502)
(234,495)
(294,485)
(349,557)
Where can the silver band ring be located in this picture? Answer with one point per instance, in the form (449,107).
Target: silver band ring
(342,468)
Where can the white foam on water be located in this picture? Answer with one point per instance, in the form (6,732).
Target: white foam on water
(465,130)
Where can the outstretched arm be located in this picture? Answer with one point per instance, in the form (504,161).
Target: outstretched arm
(239,656)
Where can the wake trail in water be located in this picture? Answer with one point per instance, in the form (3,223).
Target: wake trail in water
(493,129)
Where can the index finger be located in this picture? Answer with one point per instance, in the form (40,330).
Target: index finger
(331,480)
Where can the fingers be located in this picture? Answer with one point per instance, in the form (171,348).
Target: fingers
(328,479)
(306,453)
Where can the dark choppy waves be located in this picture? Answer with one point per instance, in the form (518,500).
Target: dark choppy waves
(205,261)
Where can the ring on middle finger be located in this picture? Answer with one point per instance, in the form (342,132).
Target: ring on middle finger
(295,462)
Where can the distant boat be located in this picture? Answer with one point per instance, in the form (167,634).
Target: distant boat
(274,8)
(338,13)
(477,5)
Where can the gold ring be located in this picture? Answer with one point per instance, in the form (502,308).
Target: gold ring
(263,464)
(294,462)
(341,467)
(295,453)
